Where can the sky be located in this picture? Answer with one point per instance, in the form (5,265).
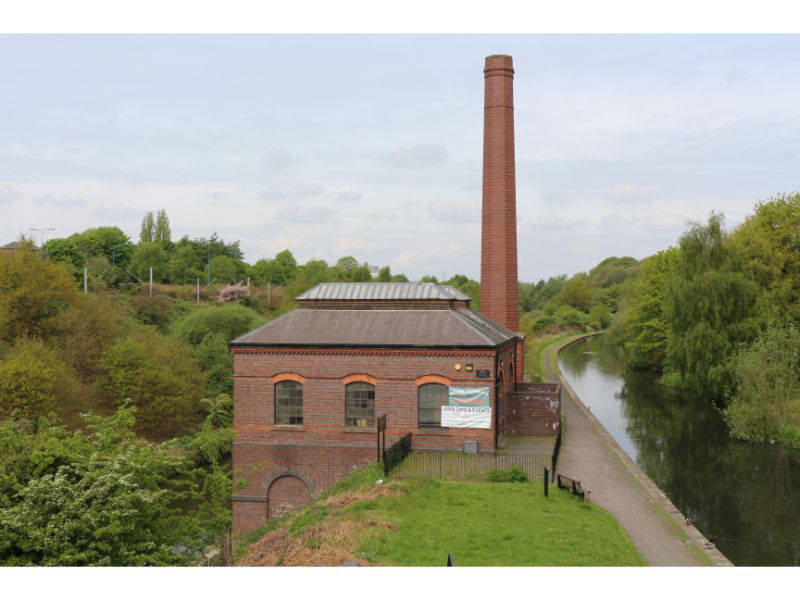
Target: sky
(371,145)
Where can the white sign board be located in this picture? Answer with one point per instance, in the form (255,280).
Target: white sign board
(478,417)
(468,407)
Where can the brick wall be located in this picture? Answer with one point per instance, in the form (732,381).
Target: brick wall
(322,449)
(536,410)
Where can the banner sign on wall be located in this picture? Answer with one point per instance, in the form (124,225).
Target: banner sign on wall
(468,407)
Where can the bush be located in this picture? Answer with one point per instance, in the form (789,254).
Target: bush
(766,403)
(160,376)
(32,294)
(34,381)
(512,475)
(233,293)
(101,498)
(230,320)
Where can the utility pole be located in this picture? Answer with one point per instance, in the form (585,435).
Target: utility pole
(151,282)
(42,232)
(85,280)
(208,259)
(198,290)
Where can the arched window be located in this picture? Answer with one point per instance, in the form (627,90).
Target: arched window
(288,403)
(359,404)
(432,396)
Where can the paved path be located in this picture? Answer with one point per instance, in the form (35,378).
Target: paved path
(589,454)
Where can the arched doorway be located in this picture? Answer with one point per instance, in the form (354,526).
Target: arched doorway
(500,397)
(286,493)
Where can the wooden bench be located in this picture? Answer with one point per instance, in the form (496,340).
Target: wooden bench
(572,484)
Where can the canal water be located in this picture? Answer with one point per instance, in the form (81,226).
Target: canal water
(744,497)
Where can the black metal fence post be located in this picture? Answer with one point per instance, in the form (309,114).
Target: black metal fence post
(545,481)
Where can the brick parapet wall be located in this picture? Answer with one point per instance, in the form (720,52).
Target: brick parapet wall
(410,304)
(533,414)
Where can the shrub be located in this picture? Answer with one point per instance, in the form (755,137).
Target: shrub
(32,294)
(229,320)
(512,475)
(34,380)
(233,293)
(160,376)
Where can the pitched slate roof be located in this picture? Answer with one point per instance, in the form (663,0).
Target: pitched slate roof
(461,328)
(382,291)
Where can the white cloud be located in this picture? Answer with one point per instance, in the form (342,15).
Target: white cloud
(8,194)
(635,191)
(421,156)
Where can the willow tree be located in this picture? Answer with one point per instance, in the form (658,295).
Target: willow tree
(709,309)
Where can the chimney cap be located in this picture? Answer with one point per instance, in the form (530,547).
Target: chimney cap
(501,62)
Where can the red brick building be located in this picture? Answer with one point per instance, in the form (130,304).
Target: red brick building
(310,385)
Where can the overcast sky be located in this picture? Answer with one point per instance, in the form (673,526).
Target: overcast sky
(371,145)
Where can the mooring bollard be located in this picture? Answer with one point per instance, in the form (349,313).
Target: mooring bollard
(451,562)
(546,479)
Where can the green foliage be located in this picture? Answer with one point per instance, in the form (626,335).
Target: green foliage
(348,269)
(146,255)
(385,274)
(230,320)
(512,475)
(766,403)
(279,271)
(709,309)
(99,498)
(85,330)
(208,332)
(148,228)
(769,246)
(600,316)
(161,231)
(109,242)
(32,294)
(223,269)
(576,293)
(66,252)
(160,376)
(643,326)
(34,381)
(469,286)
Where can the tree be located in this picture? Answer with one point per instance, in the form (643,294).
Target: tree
(208,332)
(34,380)
(66,252)
(769,246)
(766,404)
(161,232)
(110,242)
(146,255)
(576,293)
(185,264)
(600,316)
(348,269)
(160,376)
(223,269)
(429,279)
(147,232)
(644,324)
(284,268)
(32,294)
(385,274)
(709,309)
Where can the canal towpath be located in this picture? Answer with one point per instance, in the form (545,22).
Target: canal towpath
(589,454)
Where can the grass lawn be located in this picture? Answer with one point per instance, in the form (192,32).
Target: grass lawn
(501,524)
(416,522)
(534,354)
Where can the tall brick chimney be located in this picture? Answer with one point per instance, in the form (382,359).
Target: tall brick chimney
(499,290)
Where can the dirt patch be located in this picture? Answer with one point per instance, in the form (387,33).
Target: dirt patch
(331,542)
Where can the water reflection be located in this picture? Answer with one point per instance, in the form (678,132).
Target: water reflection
(744,497)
